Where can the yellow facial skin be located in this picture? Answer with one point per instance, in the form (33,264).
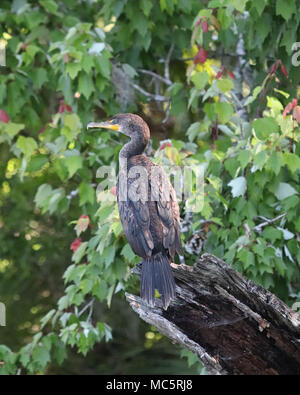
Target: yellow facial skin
(105,125)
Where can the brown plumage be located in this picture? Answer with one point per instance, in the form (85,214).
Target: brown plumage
(148,209)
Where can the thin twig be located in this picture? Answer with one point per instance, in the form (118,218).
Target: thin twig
(91,302)
(91,310)
(167,112)
(167,64)
(258,227)
(150,95)
(156,76)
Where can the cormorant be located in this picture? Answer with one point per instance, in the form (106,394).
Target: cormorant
(148,208)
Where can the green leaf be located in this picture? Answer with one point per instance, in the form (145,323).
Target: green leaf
(72,121)
(284,190)
(272,234)
(244,158)
(127,253)
(146,6)
(79,253)
(274,162)
(49,5)
(47,318)
(231,165)
(140,23)
(256,92)
(274,104)
(259,5)
(285,8)
(260,159)
(73,69)
(41,356)
(193,130)
(238,186)
(43,192)
(36,163)
(264,127)
(292,161)
(27,145)
(225,84)
(103,64)
(39,76)
(12,129)
(87,193)
(287,235)
(239,4)
(86,85)
(86,285)
(73,163)
(224,111)
(200,79)
(100,290)
(104,212)
(60,352)
(247,257)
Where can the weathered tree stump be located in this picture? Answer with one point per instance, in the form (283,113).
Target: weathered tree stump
(233,325)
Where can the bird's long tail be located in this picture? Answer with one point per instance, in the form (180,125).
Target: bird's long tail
(157,274)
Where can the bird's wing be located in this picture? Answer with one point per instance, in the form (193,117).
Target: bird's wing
(168,212)
(135,218)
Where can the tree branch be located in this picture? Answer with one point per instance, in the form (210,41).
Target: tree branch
(167,64)
(267,221)
(150,95)
(233,325)
(155,75)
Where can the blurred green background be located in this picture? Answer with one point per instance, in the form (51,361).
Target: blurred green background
(218,83)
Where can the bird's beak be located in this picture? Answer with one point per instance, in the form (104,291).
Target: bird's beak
(105,125)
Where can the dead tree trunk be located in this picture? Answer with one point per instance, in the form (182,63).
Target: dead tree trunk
(233,325)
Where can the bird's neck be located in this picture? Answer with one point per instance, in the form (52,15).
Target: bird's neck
(134,147)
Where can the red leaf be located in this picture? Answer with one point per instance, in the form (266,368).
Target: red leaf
(231,75)
(219,74)
(82,224)
(198,21)
(294,103)
(283,69)
(76,244)
(296,113)
(287,109)
(68,108)
(273,68)
(164,145)
(201,56)
(205,27)
(4,117)
(42,130)
(64,107)
(113,190)
(61,108)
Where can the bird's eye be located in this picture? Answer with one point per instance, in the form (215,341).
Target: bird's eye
(113,121)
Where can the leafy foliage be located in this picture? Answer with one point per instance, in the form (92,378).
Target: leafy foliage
(68,64)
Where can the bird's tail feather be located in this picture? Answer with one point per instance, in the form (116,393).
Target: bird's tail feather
(157,274)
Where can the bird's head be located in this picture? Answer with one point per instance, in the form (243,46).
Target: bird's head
(131,125)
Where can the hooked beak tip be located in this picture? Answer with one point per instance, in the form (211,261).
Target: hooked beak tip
(105,125)
(92,125)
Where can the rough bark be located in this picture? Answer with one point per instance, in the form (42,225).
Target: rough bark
(233,325)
